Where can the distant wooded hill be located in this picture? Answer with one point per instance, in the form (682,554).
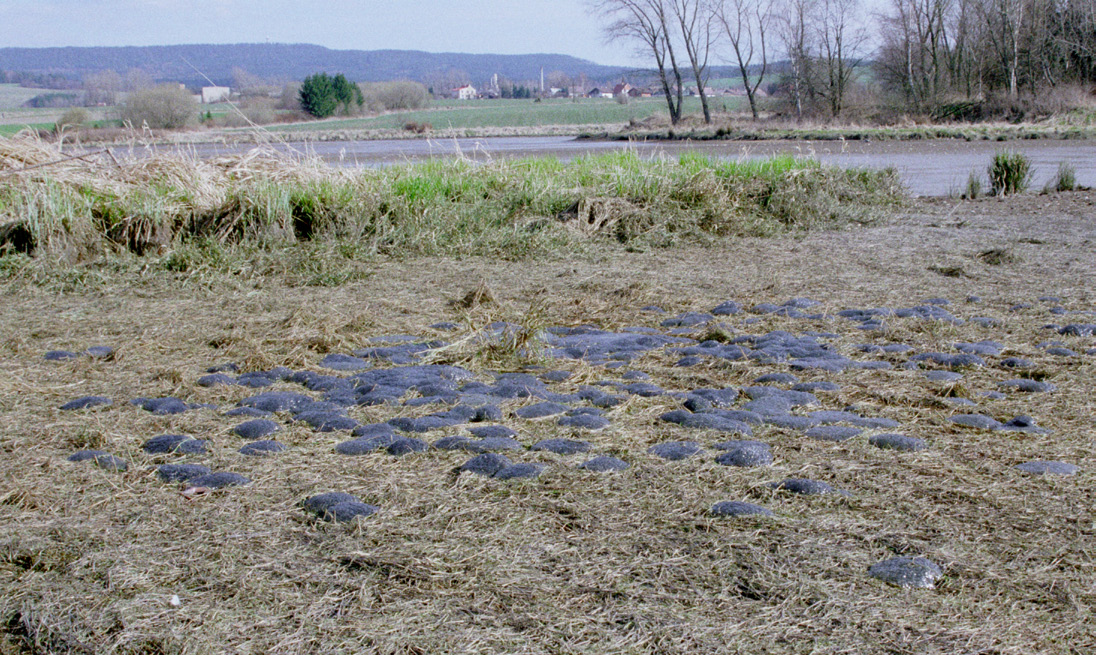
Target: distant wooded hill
(292,62)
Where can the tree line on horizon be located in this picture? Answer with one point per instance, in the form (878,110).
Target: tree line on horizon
(942,57)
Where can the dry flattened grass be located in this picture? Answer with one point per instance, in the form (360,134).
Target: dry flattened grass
(571,562)
(215,213)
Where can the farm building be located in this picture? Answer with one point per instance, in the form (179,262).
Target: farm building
(466,92)
(212,94)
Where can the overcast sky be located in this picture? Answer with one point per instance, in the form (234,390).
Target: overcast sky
(480,26)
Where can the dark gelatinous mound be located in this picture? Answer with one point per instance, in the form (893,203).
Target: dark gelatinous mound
(738,508)
(181,472)
(262,447)
(562,446)
(218,480)
(87,402)
(604,464)
(675,450)
(917,572)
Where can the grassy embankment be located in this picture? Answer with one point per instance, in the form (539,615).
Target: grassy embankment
(190,215)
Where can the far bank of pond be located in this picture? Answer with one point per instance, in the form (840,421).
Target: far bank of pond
(926,167)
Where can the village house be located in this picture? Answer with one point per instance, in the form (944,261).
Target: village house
(466,92)
(622,89)
(212,94)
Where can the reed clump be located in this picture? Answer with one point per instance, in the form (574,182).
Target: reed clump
(79,209)
(1010,172)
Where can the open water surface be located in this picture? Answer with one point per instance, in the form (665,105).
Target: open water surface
(927,168)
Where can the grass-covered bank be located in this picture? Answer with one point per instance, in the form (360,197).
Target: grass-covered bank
(778,131)
(185,213)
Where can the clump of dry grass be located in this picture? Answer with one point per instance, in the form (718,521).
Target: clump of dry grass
(92,561)
(77,209)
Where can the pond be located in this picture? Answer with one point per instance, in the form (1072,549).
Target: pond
(927,168)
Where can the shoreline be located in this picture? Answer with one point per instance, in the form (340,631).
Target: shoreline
(615,132)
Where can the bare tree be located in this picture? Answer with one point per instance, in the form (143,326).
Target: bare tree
(646,23)
(163,107)
(138,79)
(795,33)
(840,41)
(915,49)
(102,88)
(1005,20)
(695,21)
(746,24)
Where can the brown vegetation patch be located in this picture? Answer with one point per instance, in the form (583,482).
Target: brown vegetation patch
(92,561)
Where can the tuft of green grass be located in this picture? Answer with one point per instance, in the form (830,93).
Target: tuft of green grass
(1010,172)
(974,188)
(192,214)
(1065,179)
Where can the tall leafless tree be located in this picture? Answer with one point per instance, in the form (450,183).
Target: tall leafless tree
(841,40)
(695,22)
(794,29)
(647,24)
(747,24)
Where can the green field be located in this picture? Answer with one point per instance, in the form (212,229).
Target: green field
(14,128)
(13,95)
(513,113)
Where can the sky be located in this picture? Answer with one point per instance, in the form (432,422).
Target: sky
(478,26)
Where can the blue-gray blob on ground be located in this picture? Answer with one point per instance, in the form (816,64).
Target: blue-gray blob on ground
(1027,385)
(978,421)
(261,447)
(943,376)
(739,508)
(486,464)
(338,506)
(174,443)
(807,487)
(744,454)
(541,410)
(102,459)
(961,360)
(407,445)
(218,480)
(897,442)
(256,429)
(688,319)
(497,431)
(985,347)
(912,572)
(246,412)
(675,450)
(365,445)
(562,446)
(276,401)
(776,378)
(87,402)
(1040,467)
(590,422)
(59,355)
(339,362)
(604,464)
(181,472)
(518,472)
(347,511)
(832,432)
(707,420)
(1023,423)
(216,379)
(162,406)
(322,502)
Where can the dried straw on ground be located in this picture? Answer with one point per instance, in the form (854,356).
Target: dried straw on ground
(90,561)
